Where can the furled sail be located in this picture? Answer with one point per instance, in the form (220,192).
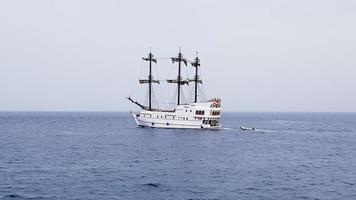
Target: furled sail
(148,81)
(181,82)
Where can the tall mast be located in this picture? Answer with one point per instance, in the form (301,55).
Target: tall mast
(150,80)
(150,56)
(179,76)
(196,64)
(179,80)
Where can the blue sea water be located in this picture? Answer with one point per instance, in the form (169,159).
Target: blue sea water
(98,155)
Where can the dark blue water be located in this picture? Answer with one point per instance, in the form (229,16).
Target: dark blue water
(104,156)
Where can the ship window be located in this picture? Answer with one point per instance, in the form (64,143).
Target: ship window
(216,112)
(199,112)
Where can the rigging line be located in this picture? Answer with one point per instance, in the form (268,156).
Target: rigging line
(159,95)
(164,102)
(191,90)
(146,97)
(163,58)
(201,88)
(173,97)
(141,66)
(170,71)
(134,86)
(154,99)
(186,72)
(183,99)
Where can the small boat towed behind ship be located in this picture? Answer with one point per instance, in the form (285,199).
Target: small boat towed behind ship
(197,114)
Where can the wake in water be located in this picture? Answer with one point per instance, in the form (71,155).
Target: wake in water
(263,130)
(243,129)
(252,129)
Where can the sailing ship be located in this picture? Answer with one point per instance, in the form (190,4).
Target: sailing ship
(199,114)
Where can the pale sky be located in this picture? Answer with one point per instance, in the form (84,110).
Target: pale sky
(85,55)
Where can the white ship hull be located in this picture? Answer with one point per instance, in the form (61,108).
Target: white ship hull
(192,116)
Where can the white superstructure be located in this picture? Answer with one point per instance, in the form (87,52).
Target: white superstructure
(196,115)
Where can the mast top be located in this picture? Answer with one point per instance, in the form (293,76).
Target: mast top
(180,58)
(150,58)
(196,62)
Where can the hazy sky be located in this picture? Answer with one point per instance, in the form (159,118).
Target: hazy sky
(273,55)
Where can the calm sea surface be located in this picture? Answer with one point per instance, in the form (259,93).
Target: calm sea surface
(53,155)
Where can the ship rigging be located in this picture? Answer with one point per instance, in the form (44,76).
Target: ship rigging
(197,114)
